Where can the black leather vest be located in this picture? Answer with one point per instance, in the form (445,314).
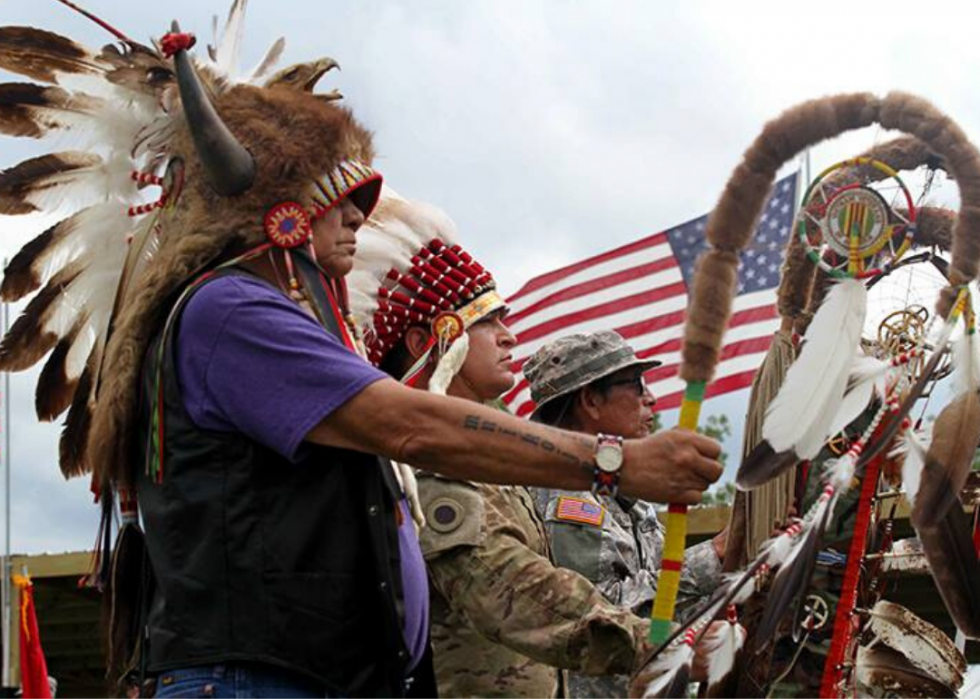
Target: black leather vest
(257,559)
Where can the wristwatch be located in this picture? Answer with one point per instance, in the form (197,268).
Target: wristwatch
(608,463)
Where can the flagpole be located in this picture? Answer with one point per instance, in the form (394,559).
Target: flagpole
(6,592)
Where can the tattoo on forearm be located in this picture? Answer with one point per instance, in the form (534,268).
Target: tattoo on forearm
(473,422)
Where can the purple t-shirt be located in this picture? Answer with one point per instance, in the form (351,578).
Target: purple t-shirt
(250,360)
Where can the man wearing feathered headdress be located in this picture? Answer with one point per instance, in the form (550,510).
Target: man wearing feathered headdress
(504,616)
(202,342)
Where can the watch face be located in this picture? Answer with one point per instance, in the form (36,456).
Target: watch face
(609,457)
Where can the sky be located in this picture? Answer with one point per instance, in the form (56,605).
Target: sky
(548,130)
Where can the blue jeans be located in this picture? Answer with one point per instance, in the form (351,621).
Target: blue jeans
(234,680)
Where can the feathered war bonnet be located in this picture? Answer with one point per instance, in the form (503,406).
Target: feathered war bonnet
(235,164)
(410,271)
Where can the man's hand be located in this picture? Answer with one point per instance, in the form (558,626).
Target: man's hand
(674,466)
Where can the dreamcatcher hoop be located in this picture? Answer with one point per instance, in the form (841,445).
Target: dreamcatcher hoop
(854,232)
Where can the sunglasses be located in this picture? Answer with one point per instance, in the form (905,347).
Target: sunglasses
(637,382)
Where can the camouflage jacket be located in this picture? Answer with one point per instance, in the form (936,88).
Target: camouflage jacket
(503,616)
(617,544)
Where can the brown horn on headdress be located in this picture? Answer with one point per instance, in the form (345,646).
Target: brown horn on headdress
(229,166)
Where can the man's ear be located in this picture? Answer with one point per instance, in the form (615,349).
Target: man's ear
(416,338)
(589,403)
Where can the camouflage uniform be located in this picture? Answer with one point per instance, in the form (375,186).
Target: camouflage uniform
(620,552)
(503,616)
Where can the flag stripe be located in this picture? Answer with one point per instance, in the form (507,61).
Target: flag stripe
(565,272)
(593,285)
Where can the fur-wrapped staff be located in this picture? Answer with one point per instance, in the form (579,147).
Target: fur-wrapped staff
(729,230)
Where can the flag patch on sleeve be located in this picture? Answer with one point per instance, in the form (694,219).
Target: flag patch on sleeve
(571,509)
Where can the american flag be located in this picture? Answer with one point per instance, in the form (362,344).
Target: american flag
(579,510)
(640,290)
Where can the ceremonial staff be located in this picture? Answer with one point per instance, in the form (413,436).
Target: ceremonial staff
(729,230)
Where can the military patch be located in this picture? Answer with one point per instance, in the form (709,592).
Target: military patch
(572,509)
(444,515)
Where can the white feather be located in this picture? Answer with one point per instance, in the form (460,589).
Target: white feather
(449,365)
(229,45)
(268,62)
(777,549)
(912,445)
(966,363)
(800,416)
(746,587)
(666,666)
(91,230)
(840,472)
(868,379)
(70,192)
(90,294)
(721,644)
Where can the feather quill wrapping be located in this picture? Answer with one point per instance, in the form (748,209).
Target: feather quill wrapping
(800,417)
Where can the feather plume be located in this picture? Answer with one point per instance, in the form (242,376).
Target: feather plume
(893,421)
(670,672)
(55,388)
(449,365)
(43,55)
(868,379)
(955,435)
(794,574)
(228,47)
(800,416)
(948,547)
(966,363)
(762,464)
(83,289)
(912,445)
(721,644)
(268,62)
(34,111)
(70,180)
(840,471)
(93,230)
(74,435)
(28,339)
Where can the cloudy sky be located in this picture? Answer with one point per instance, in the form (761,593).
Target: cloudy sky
(549,130)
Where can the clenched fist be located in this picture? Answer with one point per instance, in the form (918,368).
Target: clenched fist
(674,466)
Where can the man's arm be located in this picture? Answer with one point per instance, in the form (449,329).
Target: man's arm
(468,441)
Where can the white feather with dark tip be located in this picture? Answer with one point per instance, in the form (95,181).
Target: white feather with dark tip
(801,415)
